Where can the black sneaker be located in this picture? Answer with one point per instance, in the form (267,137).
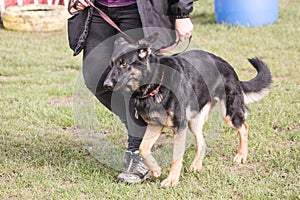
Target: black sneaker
(135,169)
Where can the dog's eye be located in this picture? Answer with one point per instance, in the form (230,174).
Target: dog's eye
(123,64)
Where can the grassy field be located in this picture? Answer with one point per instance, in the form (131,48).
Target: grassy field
(44,156)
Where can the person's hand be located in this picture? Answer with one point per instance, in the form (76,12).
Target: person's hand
(80,5)
(184,28)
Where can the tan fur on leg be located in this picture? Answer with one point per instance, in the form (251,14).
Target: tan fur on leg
(179,148)
(196,125)
(151,135)
(173,177)
(228,121)
(241,156)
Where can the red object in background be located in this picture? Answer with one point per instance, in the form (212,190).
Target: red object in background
(8,3)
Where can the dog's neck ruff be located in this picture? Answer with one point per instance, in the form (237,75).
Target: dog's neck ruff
(153,92)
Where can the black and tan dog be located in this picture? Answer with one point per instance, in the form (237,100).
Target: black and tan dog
(178,92)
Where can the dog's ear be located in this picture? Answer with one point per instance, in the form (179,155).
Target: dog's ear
(145,44)
(148,41)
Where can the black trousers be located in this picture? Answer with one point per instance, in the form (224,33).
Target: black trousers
(97,54)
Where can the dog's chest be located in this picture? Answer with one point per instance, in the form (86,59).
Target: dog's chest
(167,117)
(157,115)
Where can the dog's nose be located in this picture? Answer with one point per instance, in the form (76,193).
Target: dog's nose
(108,84)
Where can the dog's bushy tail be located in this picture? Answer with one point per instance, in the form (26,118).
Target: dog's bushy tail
(258,87)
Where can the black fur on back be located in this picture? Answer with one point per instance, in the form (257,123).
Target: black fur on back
(208,79)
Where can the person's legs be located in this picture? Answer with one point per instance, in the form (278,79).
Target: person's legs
(128,19)
(135,170)
(97,54)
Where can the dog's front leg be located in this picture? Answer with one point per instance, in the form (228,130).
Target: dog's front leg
(176,165)
(151,135)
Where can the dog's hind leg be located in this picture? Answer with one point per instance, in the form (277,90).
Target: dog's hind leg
(234,113)
(242,153)
(176,165)
(151,135)
(196,125)
(241,156)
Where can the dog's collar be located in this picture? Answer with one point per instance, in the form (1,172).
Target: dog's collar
(155,91)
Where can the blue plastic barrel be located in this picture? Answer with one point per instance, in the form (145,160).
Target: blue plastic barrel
(246,12)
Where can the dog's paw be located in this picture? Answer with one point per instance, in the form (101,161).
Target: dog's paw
(170,181)
(240,158)
(196,165)
(156,173)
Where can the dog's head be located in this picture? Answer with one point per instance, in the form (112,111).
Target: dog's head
(129,64)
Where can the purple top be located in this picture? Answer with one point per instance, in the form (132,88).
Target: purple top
(116,3)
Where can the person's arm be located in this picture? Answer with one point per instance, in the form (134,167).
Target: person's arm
(181,10)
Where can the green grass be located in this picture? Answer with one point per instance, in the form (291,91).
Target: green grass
(48,140)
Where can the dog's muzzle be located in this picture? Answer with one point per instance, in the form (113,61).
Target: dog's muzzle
(108,85)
